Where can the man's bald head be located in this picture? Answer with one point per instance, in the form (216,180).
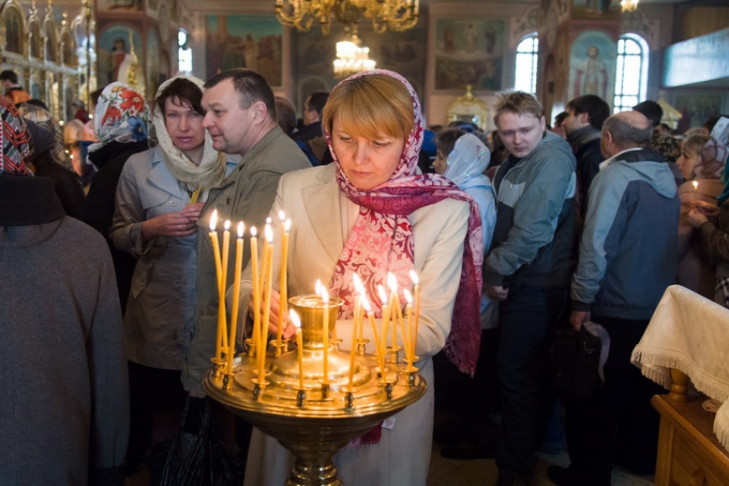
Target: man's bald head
(624,130)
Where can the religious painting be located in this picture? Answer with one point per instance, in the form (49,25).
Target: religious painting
(469,52)
(592,66)
(595,9)
(115,59)
(697,106)
(249,41)
(119,5)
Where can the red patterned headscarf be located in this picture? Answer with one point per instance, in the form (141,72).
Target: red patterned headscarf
(382,238)
(14,140)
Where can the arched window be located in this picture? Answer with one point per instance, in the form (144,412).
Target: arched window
(527,55)
(184,53)
(631,75)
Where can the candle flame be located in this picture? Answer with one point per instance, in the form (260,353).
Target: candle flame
(381,293)
(324,295)
(317,287)
(408,296)
(366,304)
(282,216)
(414,277)
(226,225)
(295,318)
(254,231)
(695,184)
(241,229)
(268,220)
(392,282)
(287,225)
(358,286)
(269,233)
(213,220)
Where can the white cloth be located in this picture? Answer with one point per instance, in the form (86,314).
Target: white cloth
(689,333)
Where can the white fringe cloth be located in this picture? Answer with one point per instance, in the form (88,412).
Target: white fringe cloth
(691,334)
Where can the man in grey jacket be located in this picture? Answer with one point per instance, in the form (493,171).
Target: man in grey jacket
(628,256)
(528,270)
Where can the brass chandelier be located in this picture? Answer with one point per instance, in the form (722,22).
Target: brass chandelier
(396,15)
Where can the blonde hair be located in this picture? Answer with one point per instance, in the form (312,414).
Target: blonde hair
(517,102)
(694,143)
(371,105)
(73,131)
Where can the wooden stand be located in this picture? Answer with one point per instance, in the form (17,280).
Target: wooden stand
(688,451)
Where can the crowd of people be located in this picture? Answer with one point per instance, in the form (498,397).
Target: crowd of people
(112,296)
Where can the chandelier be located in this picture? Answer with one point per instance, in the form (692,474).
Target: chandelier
(351,58)
(629,5)
(398,15)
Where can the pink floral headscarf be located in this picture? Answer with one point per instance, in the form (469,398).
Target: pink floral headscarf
(382,238)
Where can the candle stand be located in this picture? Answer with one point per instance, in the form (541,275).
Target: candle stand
(317,419)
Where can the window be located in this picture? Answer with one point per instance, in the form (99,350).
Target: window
(184,53)
(527,55)
(631,75)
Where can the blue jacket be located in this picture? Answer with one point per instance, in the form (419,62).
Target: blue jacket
(535,237)
(628,252)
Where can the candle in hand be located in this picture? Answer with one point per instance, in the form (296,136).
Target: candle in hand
(696,185)
(299,345)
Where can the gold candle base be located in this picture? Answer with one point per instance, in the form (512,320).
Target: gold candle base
(314,423)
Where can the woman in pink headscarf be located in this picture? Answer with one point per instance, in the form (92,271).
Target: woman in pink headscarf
(370,213)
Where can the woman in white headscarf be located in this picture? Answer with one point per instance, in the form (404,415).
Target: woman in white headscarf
(160,195)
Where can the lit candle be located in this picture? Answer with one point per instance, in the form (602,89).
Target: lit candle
(256,291)
(395,310)
(224,282)
(268,269)
(371,318)
(325,329)
(696,185)
(283,284)
(236,296)
(409,351)
(359,288)
(299,345)
(353,350)
(416,308)
(218,274)
(385,315)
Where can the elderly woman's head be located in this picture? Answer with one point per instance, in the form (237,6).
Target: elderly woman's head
(370,119)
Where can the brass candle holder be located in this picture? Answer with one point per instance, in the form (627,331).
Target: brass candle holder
(315,421)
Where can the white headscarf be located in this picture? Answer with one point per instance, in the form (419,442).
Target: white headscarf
(467,161)
(211,170)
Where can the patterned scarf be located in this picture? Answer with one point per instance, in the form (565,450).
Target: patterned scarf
(382,238)
(121,115)
(211,170)
(14,141)
(711,160)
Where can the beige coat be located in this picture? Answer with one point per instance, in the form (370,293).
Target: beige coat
(318,212)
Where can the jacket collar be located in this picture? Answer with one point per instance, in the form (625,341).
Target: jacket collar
(323,206)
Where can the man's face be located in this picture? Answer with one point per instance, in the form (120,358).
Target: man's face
(7,84)
(229,125)
(310,116)
(520,132)
(573,122)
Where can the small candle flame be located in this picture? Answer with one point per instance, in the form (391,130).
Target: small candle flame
(269,233)
(414,277)
(408,296)
(282,216)
(226,225)
(382,294)
(324,295)
(254,231)
(358,286)
(392,282)
(241,229)
(695,184)
(318,287)
(268,220)
(366,304)
(295,318)
(213,220)
(287,225)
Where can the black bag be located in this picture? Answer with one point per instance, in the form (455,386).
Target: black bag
(196,457)
(575,362)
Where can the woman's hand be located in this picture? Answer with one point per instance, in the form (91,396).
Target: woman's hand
(273,323)
(180,223)
(706,208)
(696,218)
